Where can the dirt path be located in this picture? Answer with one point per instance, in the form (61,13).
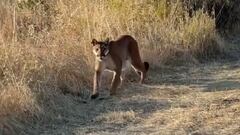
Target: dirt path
(202,99)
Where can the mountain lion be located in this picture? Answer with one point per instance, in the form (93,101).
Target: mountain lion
(113,56)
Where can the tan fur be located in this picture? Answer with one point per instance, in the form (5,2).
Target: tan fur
(118,53)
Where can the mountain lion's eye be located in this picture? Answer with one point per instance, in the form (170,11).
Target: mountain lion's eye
(97,49)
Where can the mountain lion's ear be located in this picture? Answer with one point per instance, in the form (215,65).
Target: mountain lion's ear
(107,40)
(94,42)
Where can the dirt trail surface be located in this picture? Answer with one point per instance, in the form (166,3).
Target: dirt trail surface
(200,99)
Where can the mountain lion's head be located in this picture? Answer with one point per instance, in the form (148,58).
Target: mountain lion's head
(100,48)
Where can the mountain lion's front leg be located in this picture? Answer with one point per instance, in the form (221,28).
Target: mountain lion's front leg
(96,84)
(115,82)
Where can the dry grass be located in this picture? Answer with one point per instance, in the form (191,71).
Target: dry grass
(199,113)
(12,103)
(45,50)
(117,117)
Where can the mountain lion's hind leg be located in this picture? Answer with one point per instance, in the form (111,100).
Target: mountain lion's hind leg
(140,70)
(123,75)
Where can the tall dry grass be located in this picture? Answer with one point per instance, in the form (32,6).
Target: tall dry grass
(45,44)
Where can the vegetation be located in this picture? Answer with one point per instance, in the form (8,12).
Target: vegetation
(45,47)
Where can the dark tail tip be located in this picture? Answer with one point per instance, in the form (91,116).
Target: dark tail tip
(146,64)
